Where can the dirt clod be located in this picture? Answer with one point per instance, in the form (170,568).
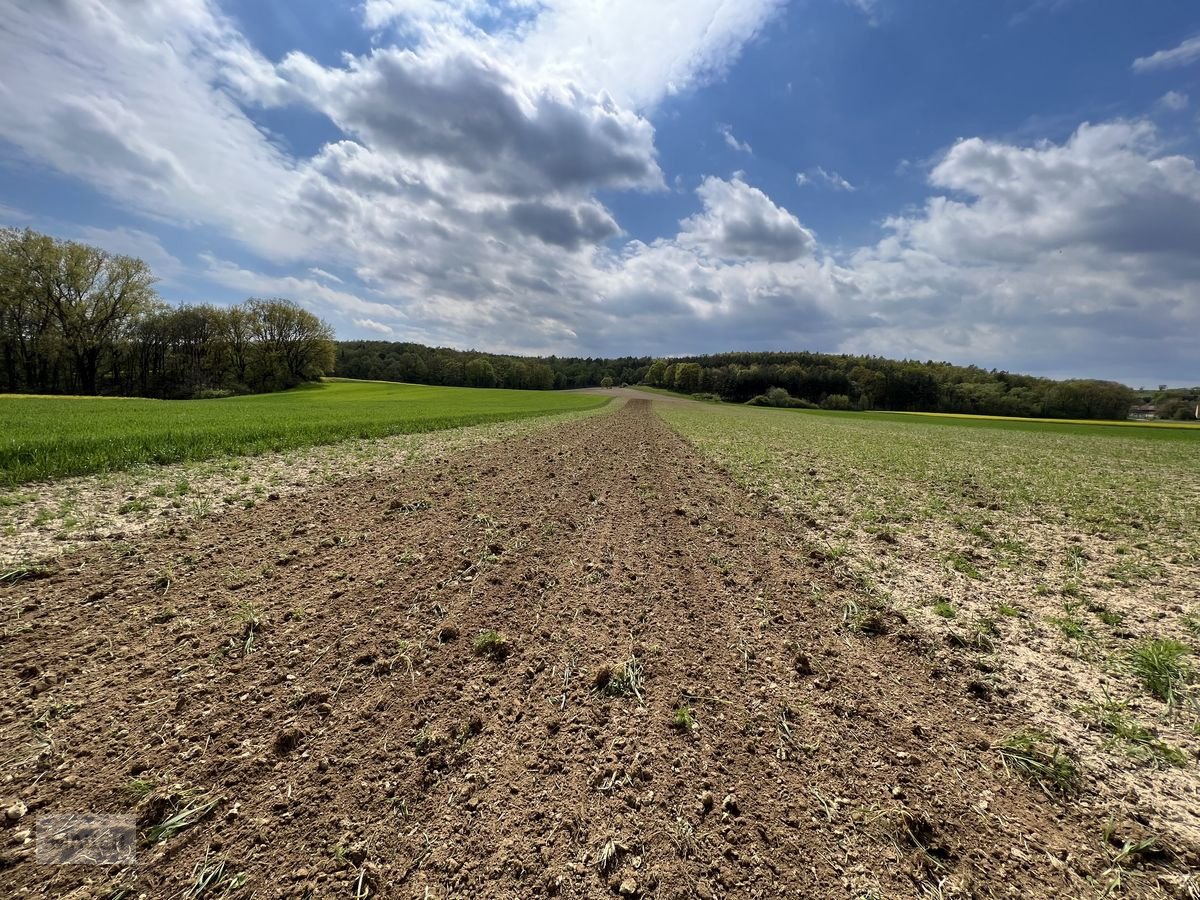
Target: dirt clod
(288,740)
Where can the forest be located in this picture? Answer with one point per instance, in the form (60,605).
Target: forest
(831,381)
(76,319)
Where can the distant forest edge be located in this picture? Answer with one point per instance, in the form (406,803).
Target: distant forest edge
(76,319)
(771,379)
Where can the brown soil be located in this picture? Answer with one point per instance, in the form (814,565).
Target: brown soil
(360,747)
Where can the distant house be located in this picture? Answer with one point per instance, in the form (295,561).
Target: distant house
(1143,411)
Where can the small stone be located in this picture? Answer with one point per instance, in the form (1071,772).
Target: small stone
(706,801)
(628,888)
(730,805)
(15,812)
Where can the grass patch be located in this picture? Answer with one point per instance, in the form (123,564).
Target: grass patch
(23,572)
(55,437)
(492,644)
(622,680)
(683,719)
(1126,734)
(1071,627)
(945,609)
(1034,755)
(963,565)
(191,811)
(1163,669)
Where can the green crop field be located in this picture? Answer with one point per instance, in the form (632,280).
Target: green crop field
(53,437)
(1139,483)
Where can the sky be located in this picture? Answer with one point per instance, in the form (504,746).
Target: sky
(1011,184)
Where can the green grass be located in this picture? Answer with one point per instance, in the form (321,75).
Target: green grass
(979,489)
(54,437)
(1124,733)
(1162,667)
(945,609)
(492,644)
(1038,757)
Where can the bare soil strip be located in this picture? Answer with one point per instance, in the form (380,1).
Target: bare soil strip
(310,665)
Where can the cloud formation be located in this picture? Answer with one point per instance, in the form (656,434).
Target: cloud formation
(1186,53)
(820,176)
(731,141)
(461,109)
(741,222)
(460,201)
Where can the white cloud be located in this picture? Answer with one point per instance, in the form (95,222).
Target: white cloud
(1186,53)
(636,52)
(731,141)
(1078,256)
(326,276)
(372,325)
(1173,101)
(740,221)
(821,176)
(123,98)
(1108,188)
(306,291)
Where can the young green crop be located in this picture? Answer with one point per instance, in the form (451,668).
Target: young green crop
(973,477)
(52,437)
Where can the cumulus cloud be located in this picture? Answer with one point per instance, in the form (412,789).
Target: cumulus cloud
(1186,53)
(740,221)
(1076,255)
(636,52)
(1109,188)
(567,227)
(466,110)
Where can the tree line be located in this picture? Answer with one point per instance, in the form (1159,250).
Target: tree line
(418,364)
(868,382)
(76,319)
(778,379)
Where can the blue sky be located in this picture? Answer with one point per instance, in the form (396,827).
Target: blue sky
(1011,183)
